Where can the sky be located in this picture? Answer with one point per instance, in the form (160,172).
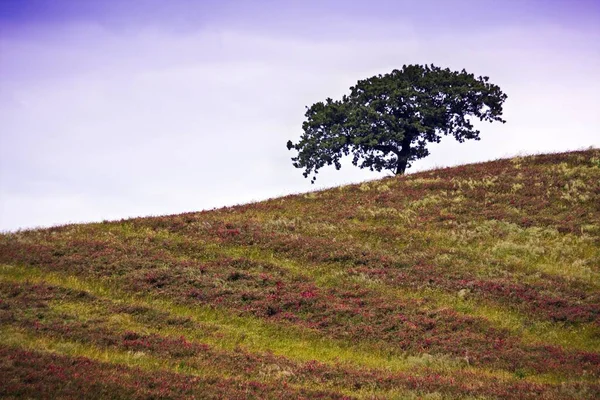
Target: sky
(112,109)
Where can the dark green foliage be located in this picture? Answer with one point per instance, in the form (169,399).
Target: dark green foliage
(387,120)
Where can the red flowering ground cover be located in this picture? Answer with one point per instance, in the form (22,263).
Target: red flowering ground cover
(480,280)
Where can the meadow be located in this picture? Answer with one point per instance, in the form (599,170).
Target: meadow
(478,281)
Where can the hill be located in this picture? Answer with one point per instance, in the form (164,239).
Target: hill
(478,281)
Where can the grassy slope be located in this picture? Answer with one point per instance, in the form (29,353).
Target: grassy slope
(480,281)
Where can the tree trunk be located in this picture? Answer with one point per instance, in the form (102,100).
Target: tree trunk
(403,157)
(401,166)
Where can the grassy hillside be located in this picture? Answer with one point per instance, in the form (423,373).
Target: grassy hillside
(480,281)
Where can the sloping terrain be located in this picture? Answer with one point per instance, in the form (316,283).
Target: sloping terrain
(480,281)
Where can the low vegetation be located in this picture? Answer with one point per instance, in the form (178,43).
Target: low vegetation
(480,281)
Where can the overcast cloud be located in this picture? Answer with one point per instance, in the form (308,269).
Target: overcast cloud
(109,112)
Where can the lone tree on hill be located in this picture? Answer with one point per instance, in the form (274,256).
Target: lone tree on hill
(387,120)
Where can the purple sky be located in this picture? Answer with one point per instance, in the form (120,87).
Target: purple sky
(111,109)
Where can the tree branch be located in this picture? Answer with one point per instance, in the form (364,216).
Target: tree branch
(386,148)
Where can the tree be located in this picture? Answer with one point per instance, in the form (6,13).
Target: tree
(387,120)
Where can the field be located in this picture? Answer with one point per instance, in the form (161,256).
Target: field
(479,281)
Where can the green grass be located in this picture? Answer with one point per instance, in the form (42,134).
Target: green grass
(480,281)
(233,331)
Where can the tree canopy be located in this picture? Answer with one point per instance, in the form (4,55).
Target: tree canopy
(387,120)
